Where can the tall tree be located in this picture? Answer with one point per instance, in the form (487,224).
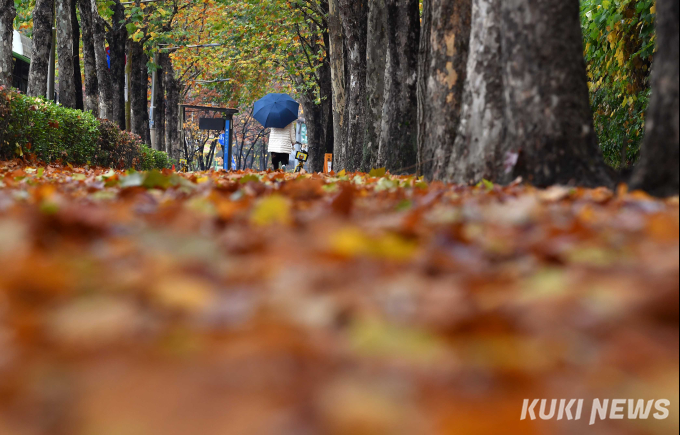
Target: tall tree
(312,33)
(144,81)
(399,136)
(67,84)
(117,38)
(376,62)
(43,18)
(103,76)
(336,55)
(138,88)
(354,14)
(657,171)
(7,14)
(159,103)
(549,119)
(75,35)
(442,69)
(91,96)
(478,149)
(326,95)
(171,85)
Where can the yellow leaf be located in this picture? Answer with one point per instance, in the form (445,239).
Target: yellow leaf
(352,242)
(374,338)
(274,209)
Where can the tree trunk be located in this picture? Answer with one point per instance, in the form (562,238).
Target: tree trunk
(138,89)
(91,97)
(399,136)
(354,15)
(325,121)
(549,120)
(159,104)
(67,91)
(336,54)
(314,120)
(318,119)
(43,18)
(478,149)
(117,38)
(7,14)
(657,171)
(77,77)
(376,62)
(442,69)
(103,74)
(171,86)
(145,83)
(326,94)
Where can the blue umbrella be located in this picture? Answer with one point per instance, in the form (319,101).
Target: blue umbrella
(276,110)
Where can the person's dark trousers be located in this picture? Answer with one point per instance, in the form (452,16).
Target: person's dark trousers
(280,159)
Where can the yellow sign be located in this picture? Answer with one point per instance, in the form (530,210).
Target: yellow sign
(302,156)
(328,164)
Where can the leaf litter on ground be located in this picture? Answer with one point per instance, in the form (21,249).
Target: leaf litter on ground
(343,304)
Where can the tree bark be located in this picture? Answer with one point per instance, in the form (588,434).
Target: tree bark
(138,89)
(117,38)
(326,121)
(314,120)
(43,18)
(7,14)
(159,103)
(77,76)
(326,94)
(444,45)
(67,84)
(376,62)
(144,74)
(657,171)
(91,96)
(478,151)
(171,85)
(549,120)
(103,74)
(354,15)
(399,137)
(325,115)
(336,54)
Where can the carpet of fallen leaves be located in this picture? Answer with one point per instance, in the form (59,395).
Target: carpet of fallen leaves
(351,304)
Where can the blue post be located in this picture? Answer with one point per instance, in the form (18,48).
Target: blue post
(226,145)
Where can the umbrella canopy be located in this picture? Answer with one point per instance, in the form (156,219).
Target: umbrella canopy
(276,110)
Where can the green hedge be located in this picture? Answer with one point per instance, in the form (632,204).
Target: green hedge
(52,132)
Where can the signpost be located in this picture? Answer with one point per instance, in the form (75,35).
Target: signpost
(216,124)
(328,164)
(225,140)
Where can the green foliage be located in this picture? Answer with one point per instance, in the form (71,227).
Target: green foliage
(52,132)
(281,37)
(23,21)
(619,48)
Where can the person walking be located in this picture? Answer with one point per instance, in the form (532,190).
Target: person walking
(278,112)
(281,143)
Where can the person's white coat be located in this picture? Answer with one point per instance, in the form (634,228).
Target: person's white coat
(282,140)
